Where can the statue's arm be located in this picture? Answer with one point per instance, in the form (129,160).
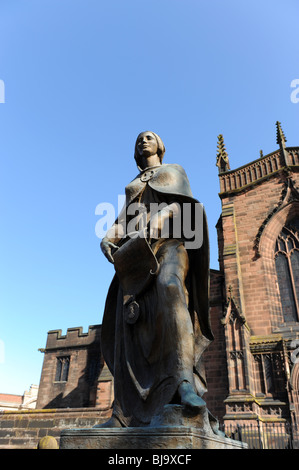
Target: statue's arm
(113,236)
(159,219)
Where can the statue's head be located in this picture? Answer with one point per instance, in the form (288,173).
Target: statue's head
(148,143)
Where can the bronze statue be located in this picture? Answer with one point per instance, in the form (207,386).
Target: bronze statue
(156,323)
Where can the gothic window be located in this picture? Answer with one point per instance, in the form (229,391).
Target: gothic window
(62,369)
(287,268)
(269,374)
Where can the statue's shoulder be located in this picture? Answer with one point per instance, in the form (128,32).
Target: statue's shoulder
(173,168)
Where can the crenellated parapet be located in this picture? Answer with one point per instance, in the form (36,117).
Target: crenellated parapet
(71,367)
(74,337)
(239,179)
(245,176)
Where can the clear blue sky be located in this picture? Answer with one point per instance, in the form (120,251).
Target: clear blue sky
(82,79)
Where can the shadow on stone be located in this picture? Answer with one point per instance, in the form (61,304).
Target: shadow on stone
(175,428)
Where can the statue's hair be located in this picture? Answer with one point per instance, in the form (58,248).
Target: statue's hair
(160,151)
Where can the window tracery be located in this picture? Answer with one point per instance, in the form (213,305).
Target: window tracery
(287,269)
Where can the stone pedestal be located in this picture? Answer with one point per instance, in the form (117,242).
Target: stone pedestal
(175,428)
(160,438)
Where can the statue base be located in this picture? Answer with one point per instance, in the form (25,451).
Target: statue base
(168,437)
(175,428)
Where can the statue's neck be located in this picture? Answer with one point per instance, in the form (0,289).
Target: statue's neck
(150,162)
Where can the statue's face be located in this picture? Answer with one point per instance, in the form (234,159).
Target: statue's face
(147,144)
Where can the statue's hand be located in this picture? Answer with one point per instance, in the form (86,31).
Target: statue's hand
(106,247)
(155,225)
(159,226)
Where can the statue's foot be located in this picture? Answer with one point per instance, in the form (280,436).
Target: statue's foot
(189,398)
(113,422)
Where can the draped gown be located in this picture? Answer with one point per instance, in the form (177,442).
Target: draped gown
(149,359)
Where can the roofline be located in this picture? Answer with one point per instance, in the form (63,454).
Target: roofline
(257,160)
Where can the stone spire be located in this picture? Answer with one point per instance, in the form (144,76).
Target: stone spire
(222,158)
(281,141)
(280,137)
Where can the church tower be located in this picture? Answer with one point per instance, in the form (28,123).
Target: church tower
(258,236)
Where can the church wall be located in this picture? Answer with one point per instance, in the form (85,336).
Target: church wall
(257,201)
(253,282)
(215,355)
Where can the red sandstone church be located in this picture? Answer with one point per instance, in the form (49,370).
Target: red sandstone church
(251,367)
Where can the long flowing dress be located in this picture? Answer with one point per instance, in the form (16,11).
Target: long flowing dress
(150,358)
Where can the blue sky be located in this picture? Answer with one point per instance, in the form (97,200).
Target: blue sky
(82,78)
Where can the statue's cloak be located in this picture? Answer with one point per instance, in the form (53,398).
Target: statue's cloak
(170,182)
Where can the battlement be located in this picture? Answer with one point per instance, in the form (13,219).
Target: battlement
(253,172)
(72,363)
(74,337)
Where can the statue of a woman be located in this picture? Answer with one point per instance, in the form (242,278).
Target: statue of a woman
(156,323)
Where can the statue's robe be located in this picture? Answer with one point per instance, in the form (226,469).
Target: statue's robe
(145,358)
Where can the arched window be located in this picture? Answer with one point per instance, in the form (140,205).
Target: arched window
(287,268)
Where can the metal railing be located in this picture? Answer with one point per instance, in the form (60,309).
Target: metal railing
(259,435)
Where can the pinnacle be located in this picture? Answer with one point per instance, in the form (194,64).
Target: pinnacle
(221,147)
(280,137)
(222,156)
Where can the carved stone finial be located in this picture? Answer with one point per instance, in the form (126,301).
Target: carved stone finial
(280,137)
(222,157)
